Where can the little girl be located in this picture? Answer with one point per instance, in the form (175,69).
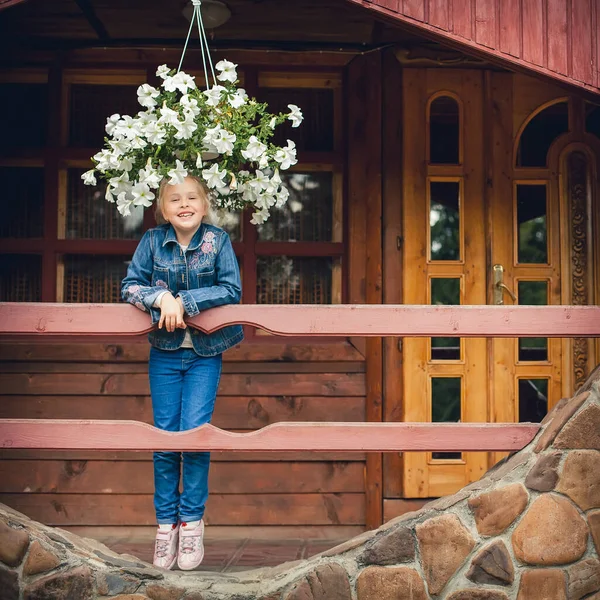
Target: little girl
(182,267)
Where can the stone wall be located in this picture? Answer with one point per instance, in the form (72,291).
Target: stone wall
(528,530)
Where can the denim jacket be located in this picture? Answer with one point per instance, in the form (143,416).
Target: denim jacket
(204,276)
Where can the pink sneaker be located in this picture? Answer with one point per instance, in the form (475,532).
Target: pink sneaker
(165,549)
(191,547)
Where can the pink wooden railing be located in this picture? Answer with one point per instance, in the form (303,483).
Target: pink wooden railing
(80,322)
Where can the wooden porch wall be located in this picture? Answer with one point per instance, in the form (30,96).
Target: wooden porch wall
(557,38)
(261,384)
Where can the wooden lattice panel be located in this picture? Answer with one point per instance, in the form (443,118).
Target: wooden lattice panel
(20,278)
(94,278)
(90,216)
(316,133)
(91,104)
(308,214)
(288,280)
(29,100)
(22,202)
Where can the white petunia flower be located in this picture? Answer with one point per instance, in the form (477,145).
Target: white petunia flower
(178,174)
(155,134)
(137,143)
(119,181)
(255,149)
(149,176)
(168,116)
(124,202)
(260,182)
(185,82)
(264,201)
(111,123)
(228,72)
(162,71)
(259,217)
(276,179)
(239,98)
(180,81)
(273,122)
(125,164)
(224,190)
(145,118)
(108,194)
(169,83)
(142,196)
(286,156)
(104,160)
(127,127)
(213,96)
(214,177)
(263,162)
(295,115)
(119,147)
(89,178)
(224,143)
(212,133)
(146,95)
(199,161)
(282,197)
(185,129)
(190,105)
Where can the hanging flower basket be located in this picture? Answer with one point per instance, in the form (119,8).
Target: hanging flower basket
(218,135)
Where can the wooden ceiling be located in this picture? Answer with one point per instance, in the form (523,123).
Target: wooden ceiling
(282,24)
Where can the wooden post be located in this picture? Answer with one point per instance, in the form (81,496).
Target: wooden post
(364,169)
(393,248)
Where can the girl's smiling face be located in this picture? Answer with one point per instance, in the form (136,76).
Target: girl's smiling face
(184,205)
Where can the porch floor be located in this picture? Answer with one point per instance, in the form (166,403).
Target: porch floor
(227,555)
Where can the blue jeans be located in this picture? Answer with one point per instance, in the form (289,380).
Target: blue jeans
(184,388)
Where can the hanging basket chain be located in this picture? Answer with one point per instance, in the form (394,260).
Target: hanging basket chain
(197,18)
(202,32)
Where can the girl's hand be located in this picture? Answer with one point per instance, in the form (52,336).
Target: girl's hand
(171,313)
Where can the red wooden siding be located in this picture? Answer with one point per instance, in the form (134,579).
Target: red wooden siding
(262,383)
(558,38)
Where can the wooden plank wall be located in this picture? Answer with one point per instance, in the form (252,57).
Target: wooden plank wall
(558,38)
(261,384)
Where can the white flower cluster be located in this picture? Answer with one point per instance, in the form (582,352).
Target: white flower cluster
(219,135)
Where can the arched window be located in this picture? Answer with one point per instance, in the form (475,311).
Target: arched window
(539,133)
(592,119)
(444,131)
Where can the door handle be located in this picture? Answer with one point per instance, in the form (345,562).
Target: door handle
(500,287)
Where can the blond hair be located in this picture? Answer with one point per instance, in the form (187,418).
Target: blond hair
(209,213)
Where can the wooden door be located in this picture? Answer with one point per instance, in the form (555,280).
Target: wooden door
(445,379)
(541,238)
(497,209)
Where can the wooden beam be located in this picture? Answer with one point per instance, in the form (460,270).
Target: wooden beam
(95,23)
(59,434)
(6,3)
(152,54)
(49,321)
